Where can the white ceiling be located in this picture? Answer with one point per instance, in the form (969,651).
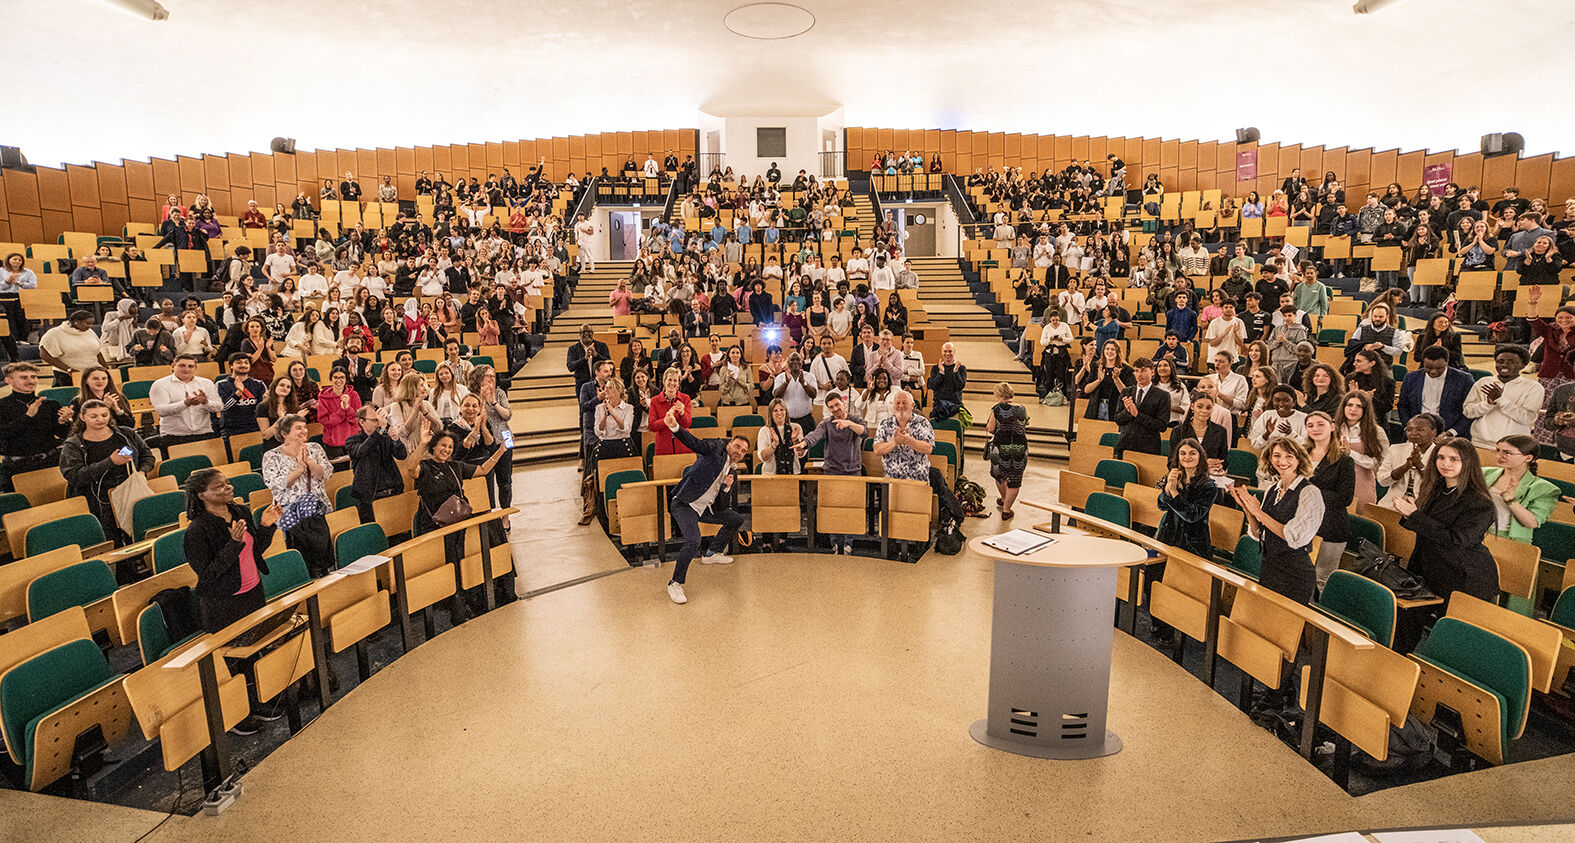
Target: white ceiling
(86,82)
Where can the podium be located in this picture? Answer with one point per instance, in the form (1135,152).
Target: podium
(1050,644)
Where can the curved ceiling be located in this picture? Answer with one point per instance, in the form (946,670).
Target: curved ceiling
(88,82)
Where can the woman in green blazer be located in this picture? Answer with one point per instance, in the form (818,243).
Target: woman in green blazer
(1522,500)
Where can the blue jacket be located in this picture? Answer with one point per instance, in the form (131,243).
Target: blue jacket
(710,461)
(1184,321)
(1456,384)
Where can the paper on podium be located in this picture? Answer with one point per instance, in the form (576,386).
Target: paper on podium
(364,564)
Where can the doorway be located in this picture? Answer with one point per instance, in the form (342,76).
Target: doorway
(916,231)
(623,235)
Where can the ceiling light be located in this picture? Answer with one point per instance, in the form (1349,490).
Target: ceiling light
(144,9)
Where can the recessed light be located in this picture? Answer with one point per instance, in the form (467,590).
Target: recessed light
(769,21)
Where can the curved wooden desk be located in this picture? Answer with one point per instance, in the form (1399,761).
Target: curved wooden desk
(1050,644)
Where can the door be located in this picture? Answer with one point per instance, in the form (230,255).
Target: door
(623,238)
(920,227)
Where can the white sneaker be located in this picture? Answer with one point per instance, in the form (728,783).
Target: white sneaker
(716,559)
(676,592)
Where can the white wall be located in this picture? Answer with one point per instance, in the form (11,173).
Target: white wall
(738,141)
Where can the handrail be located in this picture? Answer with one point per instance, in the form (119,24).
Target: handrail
(1346,634)
(959,202)
(215,641)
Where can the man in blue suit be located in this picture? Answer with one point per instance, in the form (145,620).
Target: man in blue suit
(1437,388)
(696,496)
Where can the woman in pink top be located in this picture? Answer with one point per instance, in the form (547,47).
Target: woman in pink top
(336,409)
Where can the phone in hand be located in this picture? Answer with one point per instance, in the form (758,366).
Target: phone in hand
(125,451)
(508,439)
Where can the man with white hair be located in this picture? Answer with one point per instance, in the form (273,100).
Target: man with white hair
(904,442)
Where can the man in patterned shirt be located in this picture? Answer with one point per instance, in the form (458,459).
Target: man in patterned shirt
(903,442)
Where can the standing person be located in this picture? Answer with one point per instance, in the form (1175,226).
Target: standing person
(297,473)
(1451,513)
(670,398)
(775,444)
(411,411)
(1231,388)
(97,457)
(1364,442)
(374,461)
(495,401)
(797,388)
(1522,501)
(843,434)
(337,408)
(1504,404)
(1144,411)
(1401,468)
(31,426)
(583,355)
(1007,447)
(1281,419)
(439,478)
(1287,521)
(1186,496)
(1055,360)
(1226,334)
(947,380)
(225,549)
(1437,388)
(185,404)
(697,498)
(70,347)
(239,395)
(1334,473)
(904,442)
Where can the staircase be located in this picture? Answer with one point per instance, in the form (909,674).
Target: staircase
(546,417)
(947,300)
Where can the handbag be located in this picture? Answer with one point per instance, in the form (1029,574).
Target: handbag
(1384,568)
(455,509)
(123,498)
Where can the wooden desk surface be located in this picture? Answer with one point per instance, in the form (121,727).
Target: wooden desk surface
(1070,551)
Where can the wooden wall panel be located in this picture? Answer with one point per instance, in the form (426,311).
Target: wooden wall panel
(1208,180)
(284,174)
(1312,165)
(1208,158)
(192,178)
(1290,159)
(1532,176)
(443,161)
(55,224)
(306,174)
(366,169)
(1097,149)
(1382,170)
(27,229)
(87,219)
(577,153)
(240,169)
(1013,149)
(83,182)
(423,160)
(625,146)
(111,183)
(1498,173)
(215,173)
(1135,156)
(113,217)
(1334,159)
(478,160)
(139,181)
(405,160)
(1187,180)
(1561,184)
(1225,162)
(1188,157)
(1079,148)
(1169,154)
(21,193)
(511,156)
(1063,151)
(262,168)
(54,190)
(1408,170)
(1358,165)
(1268,168)
(1468,170)
(494,158)
(223,203)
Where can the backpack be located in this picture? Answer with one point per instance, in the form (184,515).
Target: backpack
(949,539)
(220,277)
(180,612)
(971,496)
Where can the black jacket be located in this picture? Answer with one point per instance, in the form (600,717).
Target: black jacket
(580,363)
(372,458)
(22,435)
(94,480)
(1337,482)
(1141,432)
(216,558)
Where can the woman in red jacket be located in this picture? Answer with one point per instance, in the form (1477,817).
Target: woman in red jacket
(668,398)
(336,410)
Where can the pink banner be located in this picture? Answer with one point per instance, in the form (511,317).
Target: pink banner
(1435,176)
(1246,164)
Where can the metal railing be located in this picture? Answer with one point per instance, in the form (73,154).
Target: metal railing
(833,165)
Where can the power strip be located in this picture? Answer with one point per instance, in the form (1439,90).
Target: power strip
(221,799)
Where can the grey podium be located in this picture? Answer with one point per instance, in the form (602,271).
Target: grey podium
(1050,644)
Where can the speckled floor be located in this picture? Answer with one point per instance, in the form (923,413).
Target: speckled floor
(795,697)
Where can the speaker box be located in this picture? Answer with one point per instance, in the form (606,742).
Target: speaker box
(1507,143)
(284,145)
(11,158)
(1247,135)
